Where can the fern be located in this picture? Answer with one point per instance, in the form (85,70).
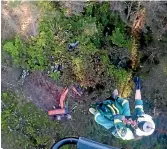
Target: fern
(119,38)
(16,49)
(55,75)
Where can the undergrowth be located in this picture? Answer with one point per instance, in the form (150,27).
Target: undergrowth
(31,125)
(95,29)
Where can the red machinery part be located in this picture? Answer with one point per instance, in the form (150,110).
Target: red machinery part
(56,112)
(74,89)
(62,97)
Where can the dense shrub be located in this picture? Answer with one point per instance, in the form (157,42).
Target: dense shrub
(95,29)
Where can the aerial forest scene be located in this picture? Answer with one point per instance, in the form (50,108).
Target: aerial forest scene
(94,71)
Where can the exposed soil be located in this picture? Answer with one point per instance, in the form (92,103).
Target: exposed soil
(43,93)
(21,19)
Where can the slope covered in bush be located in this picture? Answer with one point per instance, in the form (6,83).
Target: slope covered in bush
(96,30)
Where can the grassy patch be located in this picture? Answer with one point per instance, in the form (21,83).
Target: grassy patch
(26,126)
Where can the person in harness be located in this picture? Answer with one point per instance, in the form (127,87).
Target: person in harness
(114,114)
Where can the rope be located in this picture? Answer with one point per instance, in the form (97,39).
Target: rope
(133,123)
(159,130)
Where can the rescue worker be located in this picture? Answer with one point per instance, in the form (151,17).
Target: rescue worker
(114,114)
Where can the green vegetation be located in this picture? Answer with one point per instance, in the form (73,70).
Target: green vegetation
(95,29)
(118,38)
(107,57)
(25,125)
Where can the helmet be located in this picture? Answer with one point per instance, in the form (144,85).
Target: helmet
(146,126)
